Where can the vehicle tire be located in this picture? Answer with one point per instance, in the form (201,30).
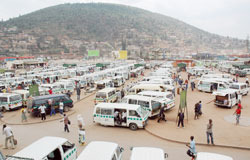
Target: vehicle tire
(133,126)
(3,109)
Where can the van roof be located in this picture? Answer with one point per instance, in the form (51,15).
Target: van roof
(20,91)
(107,90)
(239,84)
(139,97)
(213,156)
(48,96)
(154,93)
(7,94)
(118,105)
(147,153)
(224,92)
(97,150)
(41,148)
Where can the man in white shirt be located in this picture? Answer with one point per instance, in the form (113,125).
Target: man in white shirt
(42,109)
(124,116)
(61,107)
(9,136)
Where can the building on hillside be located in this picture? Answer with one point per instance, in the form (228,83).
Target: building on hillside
(23,64)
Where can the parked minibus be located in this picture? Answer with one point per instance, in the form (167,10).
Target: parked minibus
(148,153)
(47,148)
(100,150)
(227,98)
(106,83)
(211,85)
(65,87)
(150,87)
(242,87)
(56,98)
(24,94)
(151,104)
(167,97)
(212,156)
(118,81)
(106,95)
(56,88)
(10,101)
(108,114)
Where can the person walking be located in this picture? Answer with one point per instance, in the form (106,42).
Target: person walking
(52,107)
(210,132)
(78,92)
(61,105)
(50,91)
(161,115)
(238,113)
(81,126)
(9,137)
(181,119)
(192,85)
(23,114)
(247,82)
(66,123)
(192,150)
(196,111)
(42,109)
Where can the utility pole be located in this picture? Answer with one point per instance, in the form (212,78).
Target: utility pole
(247,43)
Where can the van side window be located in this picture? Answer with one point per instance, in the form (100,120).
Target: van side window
(3,99)
(66,146)
(110,94)
(132,101)
(98,110)
(133,113)
(106,111)
(143,103)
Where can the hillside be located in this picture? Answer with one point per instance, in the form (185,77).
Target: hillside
(77,27)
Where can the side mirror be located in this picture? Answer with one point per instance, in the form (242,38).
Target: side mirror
(165,155)
(121,149)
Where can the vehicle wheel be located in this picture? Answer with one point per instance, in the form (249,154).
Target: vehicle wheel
(3,109)
(133,126)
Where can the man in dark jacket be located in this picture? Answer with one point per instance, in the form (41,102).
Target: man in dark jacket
(162,115)
(181,119)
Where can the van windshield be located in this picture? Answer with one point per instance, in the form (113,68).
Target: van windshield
(15,98)
(3,99)
(100,95)
(142,112)
(170,96)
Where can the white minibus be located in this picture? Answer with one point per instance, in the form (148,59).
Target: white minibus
(100,150)
(227,98)
(151,104)
(150,87)
(166,96)
(106,95)
(120,114)
(148,153)
(48,148)
(212,156)
(242,87)
(10,101)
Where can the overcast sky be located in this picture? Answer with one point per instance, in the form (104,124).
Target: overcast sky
(223,17)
